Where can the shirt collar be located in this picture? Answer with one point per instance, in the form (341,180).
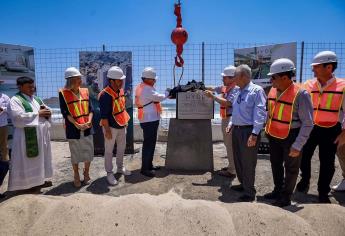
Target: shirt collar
(327,83)
(246,88)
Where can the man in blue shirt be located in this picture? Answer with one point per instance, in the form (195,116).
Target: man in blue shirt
(248,118)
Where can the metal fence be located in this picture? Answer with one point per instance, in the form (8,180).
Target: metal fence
(203,61)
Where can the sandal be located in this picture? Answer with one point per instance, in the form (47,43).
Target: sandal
(86,177)
(76,181)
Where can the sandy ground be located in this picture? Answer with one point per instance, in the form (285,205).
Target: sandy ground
(173,203)
(207,186)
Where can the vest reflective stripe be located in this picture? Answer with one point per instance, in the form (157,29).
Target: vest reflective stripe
(280,111)
(119,112)
(327,104)
(223,109)
(138,92)
(77,107)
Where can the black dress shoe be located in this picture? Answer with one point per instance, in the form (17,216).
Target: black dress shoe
(302,186)
(246,198)
(238,187)
(148,173)
(283,202)
(323,198)
(155,167)
(272,195)
(2,195)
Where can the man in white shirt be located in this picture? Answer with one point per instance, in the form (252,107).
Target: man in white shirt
(4,102)
(147,100)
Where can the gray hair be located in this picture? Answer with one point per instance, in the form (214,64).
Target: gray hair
(244,69)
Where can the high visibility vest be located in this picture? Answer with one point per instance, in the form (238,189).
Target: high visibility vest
(280,111)
(78,107)
(119,105)
(138,92)
(327,104)
(223,109)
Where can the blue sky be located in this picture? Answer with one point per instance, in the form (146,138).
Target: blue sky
(78,23)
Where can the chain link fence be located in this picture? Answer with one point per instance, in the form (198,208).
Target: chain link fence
(203,62)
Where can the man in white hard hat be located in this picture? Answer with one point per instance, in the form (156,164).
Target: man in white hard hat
(147,100)
(327,93)
(289,123)
(228,93)
(114,120)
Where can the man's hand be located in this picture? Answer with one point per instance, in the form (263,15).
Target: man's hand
(46,113)
(252,140)
(81,127)
(88,124)
(294,152)
(340,140)
(107,133)
(209,94)
(228,129)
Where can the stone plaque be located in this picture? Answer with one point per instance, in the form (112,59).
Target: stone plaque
(194,105)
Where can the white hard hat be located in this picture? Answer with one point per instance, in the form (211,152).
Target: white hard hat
(229,71)
(72,72)
(281,65)
(149,73)
(115,72)
(324,57)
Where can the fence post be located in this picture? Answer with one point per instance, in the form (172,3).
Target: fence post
(103,47)
(301,65)
(203,62)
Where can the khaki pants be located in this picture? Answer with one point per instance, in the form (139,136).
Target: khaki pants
(3,143)
(341,158)
(118,136)
(227,137)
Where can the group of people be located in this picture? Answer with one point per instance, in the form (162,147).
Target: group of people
(296,118)
(30,165)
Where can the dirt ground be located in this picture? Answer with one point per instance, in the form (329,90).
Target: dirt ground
(207,185)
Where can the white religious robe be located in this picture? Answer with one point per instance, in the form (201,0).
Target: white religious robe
(27,172)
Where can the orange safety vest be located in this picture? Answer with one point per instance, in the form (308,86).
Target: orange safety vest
(223,109)
(119,105)
(280,111)
(77,107)
(140,107)
(327,104)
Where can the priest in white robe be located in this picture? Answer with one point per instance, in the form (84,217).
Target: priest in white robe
(31,159)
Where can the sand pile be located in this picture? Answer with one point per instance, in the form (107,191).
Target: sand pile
(167,214)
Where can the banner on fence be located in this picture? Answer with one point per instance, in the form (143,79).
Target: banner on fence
(15,61)
(259,59)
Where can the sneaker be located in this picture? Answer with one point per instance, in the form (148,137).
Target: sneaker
(124,171)
(302,187)
(111,179)
(272,195)
(339,187)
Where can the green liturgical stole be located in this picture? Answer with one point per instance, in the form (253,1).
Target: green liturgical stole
(31,142)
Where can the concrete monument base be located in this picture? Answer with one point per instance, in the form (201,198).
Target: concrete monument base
(189,145)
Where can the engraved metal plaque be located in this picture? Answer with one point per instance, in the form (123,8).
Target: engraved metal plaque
(194,105)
